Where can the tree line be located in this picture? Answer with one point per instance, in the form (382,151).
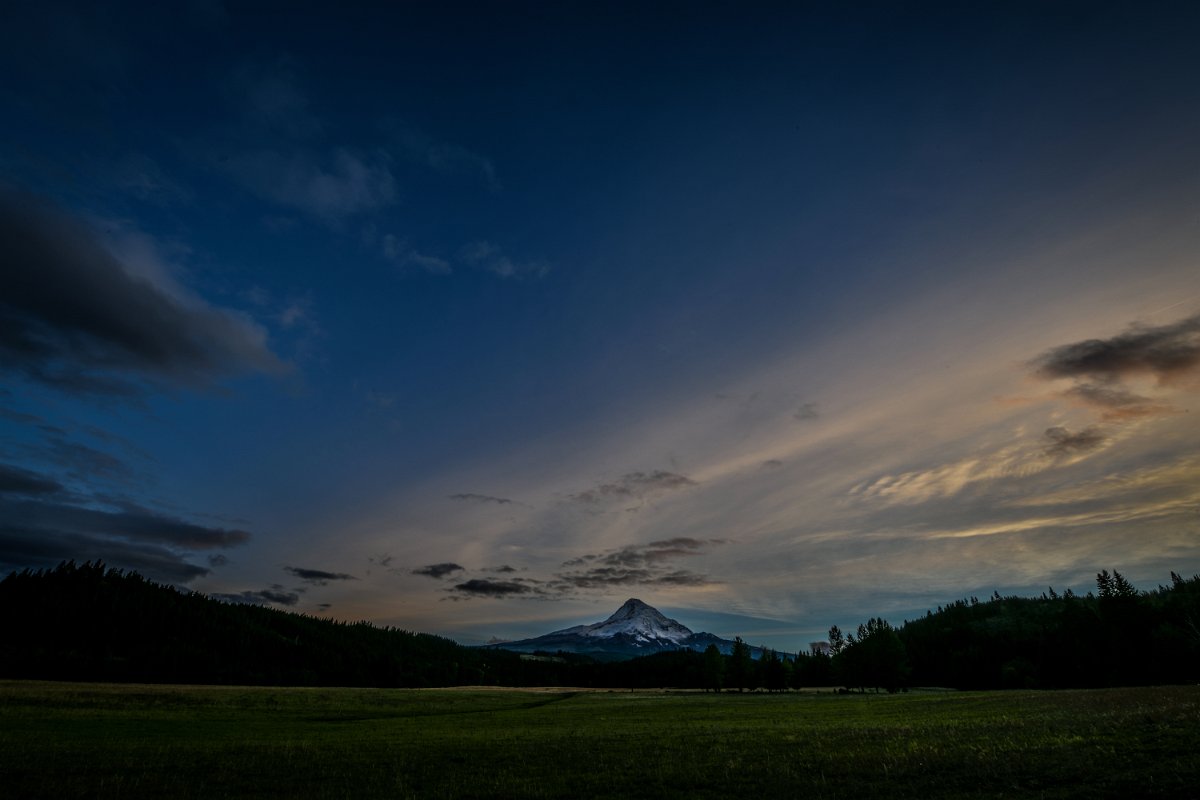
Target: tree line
(89,622)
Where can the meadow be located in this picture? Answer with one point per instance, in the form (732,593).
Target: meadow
(65,740)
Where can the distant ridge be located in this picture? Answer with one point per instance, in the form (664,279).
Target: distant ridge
(635,629)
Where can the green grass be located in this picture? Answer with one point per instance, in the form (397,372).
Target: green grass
(92,740)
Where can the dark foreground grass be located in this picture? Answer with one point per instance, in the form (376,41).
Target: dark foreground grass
(88,740)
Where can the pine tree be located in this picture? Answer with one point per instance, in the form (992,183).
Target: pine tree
(740,665)
(714,669)
(836,641)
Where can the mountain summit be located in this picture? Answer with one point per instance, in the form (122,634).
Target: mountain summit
(635,620)
(634,629)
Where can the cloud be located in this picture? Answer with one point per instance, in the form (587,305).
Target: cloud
(438,570)
(330,189)
(1165,352)
(447,159)
(297,314)
(951,478)
(650,553)
(397,251)
(276,595)
(131,523)
(450,159)
(385,560)
(1065,443)
(503,568)
(83,462)
(218,560)
(272,100)
(639,565)
(606,577)
(14,480)
(116,326)
(635,485)
(318,577)
(22,547)
(487,256)
(471,497)
(482,587)
(1115,403)
(143,178)
(807,411)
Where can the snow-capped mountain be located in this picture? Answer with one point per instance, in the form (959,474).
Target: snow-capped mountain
(636,629)
(637,620)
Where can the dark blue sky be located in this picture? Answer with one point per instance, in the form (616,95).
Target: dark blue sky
(790,314)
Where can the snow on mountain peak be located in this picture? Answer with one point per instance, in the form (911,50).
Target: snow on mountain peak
(634,629)
(635,618)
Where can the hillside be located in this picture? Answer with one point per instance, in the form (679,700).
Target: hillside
(86,622)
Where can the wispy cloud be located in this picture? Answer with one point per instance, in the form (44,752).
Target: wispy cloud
(807,411)
(1115,403)
(145,179)
(488,256)
(399,252)
(635,485)
(1065,443)
(271,99)
(448,159)
(331,188)
(453,160)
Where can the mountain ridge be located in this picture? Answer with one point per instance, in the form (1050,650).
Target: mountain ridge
(635,629)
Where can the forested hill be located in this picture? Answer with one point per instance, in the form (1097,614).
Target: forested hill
(86,622)
(1118,636)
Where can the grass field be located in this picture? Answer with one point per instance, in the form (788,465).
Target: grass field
(93,740)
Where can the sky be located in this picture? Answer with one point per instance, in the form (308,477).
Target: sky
(478,319)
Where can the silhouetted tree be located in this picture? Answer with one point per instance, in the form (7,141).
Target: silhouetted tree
(714,669)
(740,665)
(876,658)
(774,672)
(836,640)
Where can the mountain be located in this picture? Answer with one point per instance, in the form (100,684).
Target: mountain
(635,629)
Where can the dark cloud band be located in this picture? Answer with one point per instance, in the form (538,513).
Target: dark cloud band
(438,570)
(318,576)
(481,587)
(113,328)
(1164,351)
